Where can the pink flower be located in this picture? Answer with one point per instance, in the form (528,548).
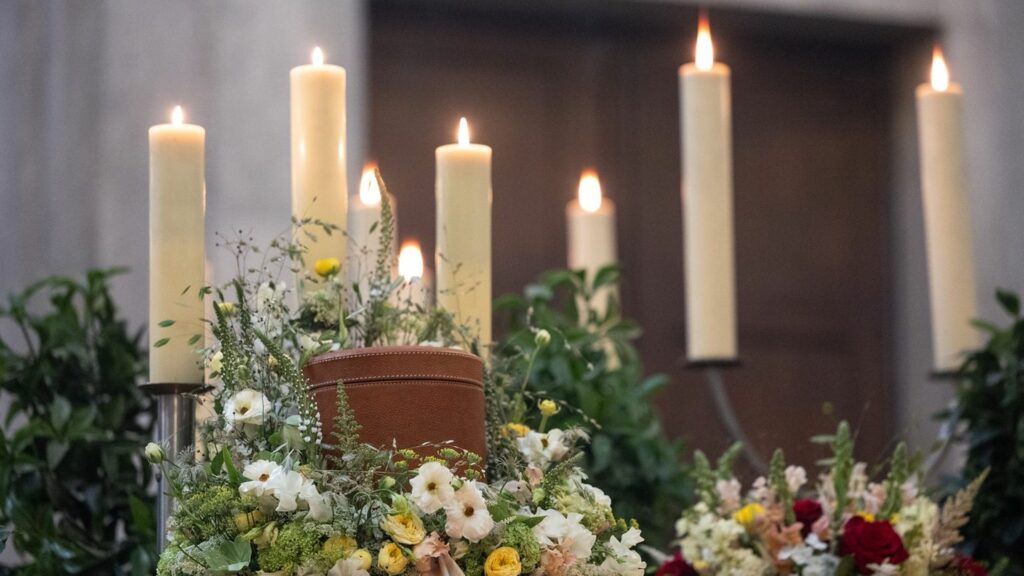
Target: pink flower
(429,554)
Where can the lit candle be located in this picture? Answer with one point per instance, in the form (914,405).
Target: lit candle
(463,190)
(707,204)
(364,211)
(590,220)
(412,270)
(947,216)
(319,187)
(177,262)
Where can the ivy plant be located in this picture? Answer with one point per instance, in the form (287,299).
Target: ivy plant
(75,491)
(991,409)
(591,363)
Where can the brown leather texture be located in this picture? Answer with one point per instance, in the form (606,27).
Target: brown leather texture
(404,396)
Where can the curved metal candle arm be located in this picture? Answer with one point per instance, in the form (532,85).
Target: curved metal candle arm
(727,416)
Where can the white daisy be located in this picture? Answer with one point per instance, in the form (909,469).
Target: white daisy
(467,515)
(245,407)
(432,487)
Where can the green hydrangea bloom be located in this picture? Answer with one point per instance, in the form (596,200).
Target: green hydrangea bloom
(521,537)
(293,547)
(209,512)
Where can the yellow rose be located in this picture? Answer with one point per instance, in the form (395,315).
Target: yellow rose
(327,266)
(364,556)
(244,521)
(748,514)
(339,546)
(549,408)
(404,528)
(503,562)
(514,430)
(391,559)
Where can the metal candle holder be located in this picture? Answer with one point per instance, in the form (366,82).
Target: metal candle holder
(175,431)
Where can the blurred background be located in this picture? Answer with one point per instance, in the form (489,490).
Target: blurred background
(832,285)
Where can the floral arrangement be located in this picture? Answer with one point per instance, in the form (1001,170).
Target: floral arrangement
(844,524)
(270,493)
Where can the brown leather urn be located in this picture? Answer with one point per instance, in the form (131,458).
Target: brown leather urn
(404,396)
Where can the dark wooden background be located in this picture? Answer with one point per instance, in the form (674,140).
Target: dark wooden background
(557,90)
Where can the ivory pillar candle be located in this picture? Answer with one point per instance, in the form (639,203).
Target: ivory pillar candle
(319,186)
(463,189)
(706,115)
(590,221)
(177,261)
(364,213)
(947,217)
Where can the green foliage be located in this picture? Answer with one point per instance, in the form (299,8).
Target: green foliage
(209,512)
(520,536)
(777,478)
(70,472)
(592,365)
(991,405)
(293,544)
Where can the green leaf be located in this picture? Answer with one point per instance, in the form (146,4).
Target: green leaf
(229,465)
(530,521)
(55,452)
(1009,301)
(161,342)
(231,556)
(166,323)
(195,338)
(60,412)
(217,463)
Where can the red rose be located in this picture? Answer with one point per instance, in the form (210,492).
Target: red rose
(966,566)
(676,566)
(871,543)
(807,512)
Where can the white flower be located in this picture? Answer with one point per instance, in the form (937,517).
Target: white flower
(557,529)
(245,407)
(623,560)
(822,565)
(286,486)
(155,453)
(884,569)
(728,495)
(796,477)
(598,495)
(432,487)
(467,515)
(216,361)
(308,343)
(542,449)
(259,474)
(348,567)
(319,504)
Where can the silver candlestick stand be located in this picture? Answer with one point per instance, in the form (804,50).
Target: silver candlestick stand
(175,431)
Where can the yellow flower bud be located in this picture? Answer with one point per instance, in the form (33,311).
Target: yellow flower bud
(339,546)
(244,521)
(226,308)
(514,430)
(391,559)
(404,528)
(327,266)
(749,514)
(549,407)
(503,562)
(364,556)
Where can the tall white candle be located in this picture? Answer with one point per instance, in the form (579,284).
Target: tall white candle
(364,214)
(707,204)
(177,261)
(463,190)
(319,186)
(947,216)
(590,221)
(417,288)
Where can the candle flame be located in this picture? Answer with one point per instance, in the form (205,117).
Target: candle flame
(590,191)
(940,73)
(177,116)
(705,49)
(410,260)
(369,190)
(317,57)
(463,131)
